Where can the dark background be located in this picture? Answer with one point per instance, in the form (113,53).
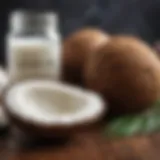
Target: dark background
(137,17)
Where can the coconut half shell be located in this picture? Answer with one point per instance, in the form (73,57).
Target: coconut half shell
(46,108)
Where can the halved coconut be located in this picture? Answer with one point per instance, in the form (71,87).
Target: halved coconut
(3,80)
(3,83)
(48,108)
(3,119)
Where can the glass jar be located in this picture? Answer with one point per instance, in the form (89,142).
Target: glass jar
(33,46)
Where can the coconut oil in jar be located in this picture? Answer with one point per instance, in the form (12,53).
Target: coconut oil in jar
(33,46)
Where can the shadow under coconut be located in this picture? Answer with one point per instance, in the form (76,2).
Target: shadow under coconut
(21,142)
(4,132)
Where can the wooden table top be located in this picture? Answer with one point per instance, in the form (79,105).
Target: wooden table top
(87,145)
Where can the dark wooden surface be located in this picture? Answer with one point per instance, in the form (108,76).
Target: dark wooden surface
(86,145)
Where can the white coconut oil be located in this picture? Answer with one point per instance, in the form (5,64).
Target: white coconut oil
(33,46)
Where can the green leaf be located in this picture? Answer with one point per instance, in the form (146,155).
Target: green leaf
(152,123)
(144,123)
(125,126)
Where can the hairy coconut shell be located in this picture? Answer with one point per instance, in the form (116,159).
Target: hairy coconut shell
(34,130)
(76,49)
(127,73)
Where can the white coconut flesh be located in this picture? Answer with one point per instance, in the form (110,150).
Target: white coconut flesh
(52,103)
(3,118)
(3,83)
(3,80)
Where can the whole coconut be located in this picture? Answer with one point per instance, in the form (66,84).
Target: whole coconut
(76,49)
(126,71)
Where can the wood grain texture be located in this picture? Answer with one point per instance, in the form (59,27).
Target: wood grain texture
(86,145)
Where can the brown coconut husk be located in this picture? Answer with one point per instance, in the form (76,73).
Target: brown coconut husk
(126,71)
